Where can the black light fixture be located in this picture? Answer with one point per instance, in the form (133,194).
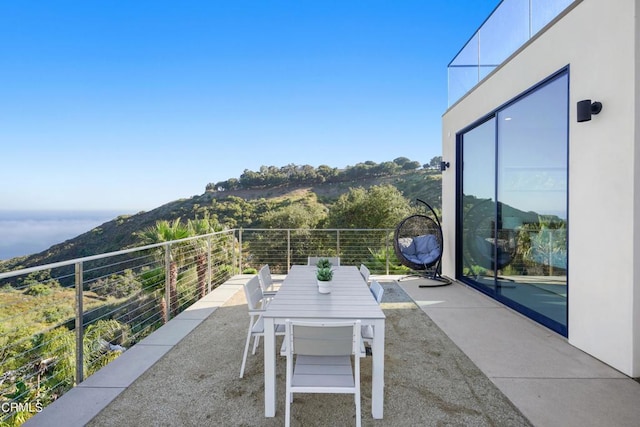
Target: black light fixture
(586,108)
(444,166)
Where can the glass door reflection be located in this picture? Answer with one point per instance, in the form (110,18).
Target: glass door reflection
(512,204)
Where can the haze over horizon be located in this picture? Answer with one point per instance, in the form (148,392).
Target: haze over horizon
(127,106)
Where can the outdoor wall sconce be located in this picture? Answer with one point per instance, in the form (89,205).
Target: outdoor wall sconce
(444,166)
(586,108)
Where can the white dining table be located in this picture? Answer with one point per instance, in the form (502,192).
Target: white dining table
(298,299)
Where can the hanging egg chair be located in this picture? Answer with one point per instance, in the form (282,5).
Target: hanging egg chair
(418,244)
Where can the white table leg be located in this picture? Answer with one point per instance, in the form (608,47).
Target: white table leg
(377,388)
(269,368)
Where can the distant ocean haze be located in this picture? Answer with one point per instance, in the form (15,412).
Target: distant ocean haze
(31,232)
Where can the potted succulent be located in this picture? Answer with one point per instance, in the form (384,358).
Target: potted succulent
(324,276)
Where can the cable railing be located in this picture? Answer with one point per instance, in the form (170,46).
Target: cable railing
(511,24)
(282,248)
(62,322)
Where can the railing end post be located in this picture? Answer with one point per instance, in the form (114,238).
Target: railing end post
(79,327)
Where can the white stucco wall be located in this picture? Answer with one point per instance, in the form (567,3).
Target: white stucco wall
(598,40)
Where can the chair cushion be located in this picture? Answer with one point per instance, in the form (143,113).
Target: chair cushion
(407,246)
(425,243)
(427,249)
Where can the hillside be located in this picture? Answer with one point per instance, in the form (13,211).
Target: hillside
(118,233)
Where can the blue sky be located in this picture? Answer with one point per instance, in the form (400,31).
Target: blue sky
(127,105)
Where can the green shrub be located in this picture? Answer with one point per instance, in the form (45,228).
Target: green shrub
(57,313)
(38,290)
(42,277)
(117,285)
(378,262)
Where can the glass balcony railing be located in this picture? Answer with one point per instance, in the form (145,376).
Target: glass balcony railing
(511,24)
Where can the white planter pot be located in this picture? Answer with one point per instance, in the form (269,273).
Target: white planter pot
(324,287)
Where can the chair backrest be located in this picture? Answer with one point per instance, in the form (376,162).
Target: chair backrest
(264,274)
(323,338)
(313,260)
(364,271)
(377,290)
(253,293)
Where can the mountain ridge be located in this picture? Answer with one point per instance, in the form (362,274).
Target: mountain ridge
(118,233)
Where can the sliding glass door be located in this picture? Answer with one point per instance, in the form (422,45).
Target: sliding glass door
(512,203)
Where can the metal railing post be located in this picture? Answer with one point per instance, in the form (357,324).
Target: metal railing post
(550,258)
(337,242)
(288,249)
(232,242)
(530,20)
(209,266)
(240,251)
(79,279)
(386,251)
(167,280)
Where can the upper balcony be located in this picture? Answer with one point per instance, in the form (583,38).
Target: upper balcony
(511,24)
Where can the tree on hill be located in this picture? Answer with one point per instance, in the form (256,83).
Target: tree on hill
(291,174)
(434,163)
(380,206)
(387,168)
(400,161)
(295,215)
(234,212)
(411,165)
(327,173)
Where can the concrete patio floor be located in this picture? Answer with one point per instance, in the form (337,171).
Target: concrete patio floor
(468,361)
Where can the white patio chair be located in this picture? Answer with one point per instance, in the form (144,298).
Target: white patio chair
(364,271)
(313,260)
(367,330)
(256,303)
(323,360)
(377,290)
(269,287)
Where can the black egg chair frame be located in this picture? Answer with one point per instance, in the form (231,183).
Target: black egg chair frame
(418,244)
